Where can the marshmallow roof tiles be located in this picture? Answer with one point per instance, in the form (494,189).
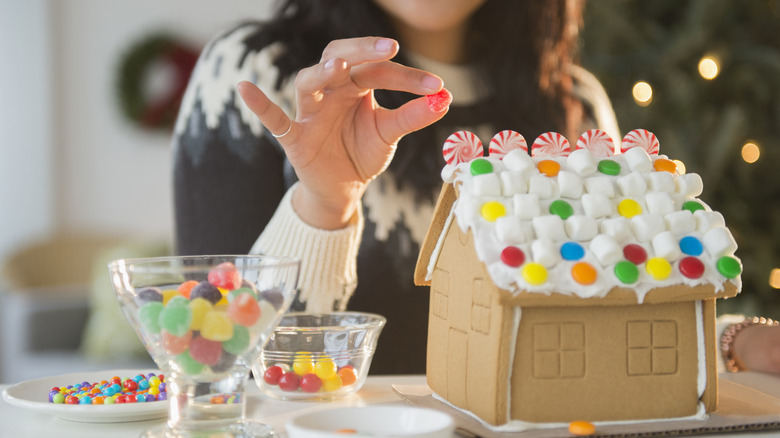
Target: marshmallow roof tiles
(580,222)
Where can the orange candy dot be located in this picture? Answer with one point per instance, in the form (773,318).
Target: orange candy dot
(584,273)
(347,375)
(581,428)
(549,167)
(664,165)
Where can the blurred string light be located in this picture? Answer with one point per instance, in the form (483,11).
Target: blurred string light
(750,152)
(643,93)
(709,68)
(774,278)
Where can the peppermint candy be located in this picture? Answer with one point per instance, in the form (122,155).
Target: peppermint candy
(551,144)
(598,142)
(640,138)
(462,147)
(505,142)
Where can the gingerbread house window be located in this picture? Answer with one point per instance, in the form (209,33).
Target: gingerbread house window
(480,306)
(559,350)
(440,293)
(652,347)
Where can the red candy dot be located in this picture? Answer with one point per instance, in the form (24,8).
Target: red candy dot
(289,381)
(439,101)
(691,267)
(311,383)
(130,385)
(635,254)
(273,374)
(512,256)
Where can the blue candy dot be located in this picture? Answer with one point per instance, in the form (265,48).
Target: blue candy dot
(691,246)
(86,400)
(572,251)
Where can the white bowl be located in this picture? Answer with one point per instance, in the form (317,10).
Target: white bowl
(375,421)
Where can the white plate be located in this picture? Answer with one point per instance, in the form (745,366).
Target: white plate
(373,421)
(34,394)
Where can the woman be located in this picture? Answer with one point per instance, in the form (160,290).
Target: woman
(299,167)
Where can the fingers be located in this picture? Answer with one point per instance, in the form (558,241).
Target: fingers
(270,115)
(410,117)
(357,51)
(393,76)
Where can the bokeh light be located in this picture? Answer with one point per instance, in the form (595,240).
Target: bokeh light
(750,152)
(709,68)
(643,93)
(774,278)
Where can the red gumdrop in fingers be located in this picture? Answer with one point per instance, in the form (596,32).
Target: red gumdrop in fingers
(439,101)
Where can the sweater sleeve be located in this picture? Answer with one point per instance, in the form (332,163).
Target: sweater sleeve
(328,258)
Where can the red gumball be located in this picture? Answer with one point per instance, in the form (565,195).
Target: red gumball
(272,375)
(311,383)
(289,381)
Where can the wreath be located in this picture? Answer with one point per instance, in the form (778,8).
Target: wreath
(154,112)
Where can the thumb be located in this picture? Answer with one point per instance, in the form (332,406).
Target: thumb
(413,115)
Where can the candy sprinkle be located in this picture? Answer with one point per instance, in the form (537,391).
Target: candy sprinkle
(139,389)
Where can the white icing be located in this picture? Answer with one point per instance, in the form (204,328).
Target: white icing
(701,381)
(719,241)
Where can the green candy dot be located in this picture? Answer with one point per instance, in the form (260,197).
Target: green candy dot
(188,364)
(149,317)
(609,167)
(481,166)
(239,342)
(626,272)
(729,267)
(692,206)
(561,208)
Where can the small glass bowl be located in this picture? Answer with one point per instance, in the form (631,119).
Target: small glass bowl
(318,356)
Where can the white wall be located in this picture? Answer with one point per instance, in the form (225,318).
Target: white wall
(68,160)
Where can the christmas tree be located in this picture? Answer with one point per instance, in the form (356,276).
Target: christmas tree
(705,115)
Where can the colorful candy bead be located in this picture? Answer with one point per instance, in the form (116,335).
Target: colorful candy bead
(512,256)
(692,206)
(609,167)
(659,268)
(561,208)
(534,273)
(629,208)
(493,210)
(481,166)
(584,273)
(626,272)
(729,267)
(572,251)
(581,428)
(548,167)
(635,253)
(105,392)
(691,267)
(691,246)
(664,165)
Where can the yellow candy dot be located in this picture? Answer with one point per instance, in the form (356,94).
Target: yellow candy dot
(493,210)
(217,326)
(534,273)
(168,294)
(199,308)
(658,268)
(664,165)
(549,167)
(154,390)
(303,366)
(325,369)
(331,384)
(629,208)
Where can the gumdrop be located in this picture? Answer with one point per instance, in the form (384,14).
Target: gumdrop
(225,363)
(148,295)
(176,319)
(199,307)
(244,310)
(438,102)
(149,316)
(225,276)
(176,345)
(186,287)
(188,364)
(242,290)
(207,291)
(205,351)
(239,342)
(274,297)
(217,326)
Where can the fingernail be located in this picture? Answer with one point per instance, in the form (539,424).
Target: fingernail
(432,83)
(329,64)
(384,45)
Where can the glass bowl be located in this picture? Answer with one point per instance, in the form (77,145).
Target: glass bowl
(204,320)
(318,356)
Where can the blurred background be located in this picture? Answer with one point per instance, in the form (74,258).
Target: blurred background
(85,160)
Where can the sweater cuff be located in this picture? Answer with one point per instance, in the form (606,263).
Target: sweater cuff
(328,273)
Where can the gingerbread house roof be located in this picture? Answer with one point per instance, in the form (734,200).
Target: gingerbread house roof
(589,222)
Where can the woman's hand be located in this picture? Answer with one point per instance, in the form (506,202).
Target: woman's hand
(341,139)
(757,348)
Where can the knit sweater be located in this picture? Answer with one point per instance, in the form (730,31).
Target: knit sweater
(233,187)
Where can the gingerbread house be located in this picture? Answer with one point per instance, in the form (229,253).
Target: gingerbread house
(573,283)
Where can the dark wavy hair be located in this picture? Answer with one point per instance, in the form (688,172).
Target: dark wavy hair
(520,50)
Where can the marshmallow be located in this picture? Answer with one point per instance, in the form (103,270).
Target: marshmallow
(527,205)
(606,250)
(680,222)
(549,227)
(570,184)
(719,242)
(580,227)
(638,160)
(600,185)
(666,245)
(646,226)
(582,162)
(707,220)
(596,205)
(690,185)
(545,252)
(513,182)
(509,229)
(661,182)
(659,203)
(488,184)
(633,184)
(543,186)
(518,160)
(448,173)
(617,228)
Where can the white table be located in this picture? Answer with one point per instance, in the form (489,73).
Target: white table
(19,422)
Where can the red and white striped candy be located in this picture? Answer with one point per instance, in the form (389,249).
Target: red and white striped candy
(598,142)
(640,138)
(551,144)
(462,147)
(506,141)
